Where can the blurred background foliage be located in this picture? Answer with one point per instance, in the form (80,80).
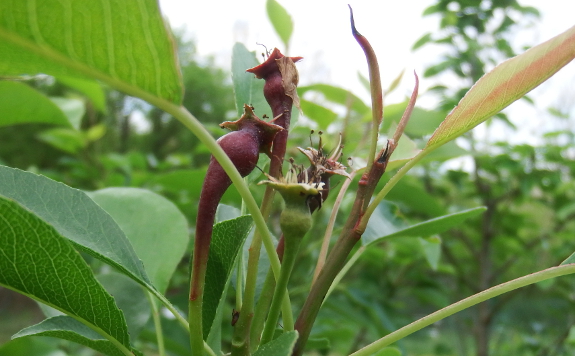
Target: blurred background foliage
(90,137)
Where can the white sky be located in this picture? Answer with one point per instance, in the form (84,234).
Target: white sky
(322,36)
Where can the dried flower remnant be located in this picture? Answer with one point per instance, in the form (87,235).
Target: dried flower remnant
(325,167)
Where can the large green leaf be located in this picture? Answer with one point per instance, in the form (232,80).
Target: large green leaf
(155,227)
(20,104)
(75,216)
(281,346)
(124,43)
(227,239)
(247,88)
(280,19)
(68,328)
(37,261)
(506,83)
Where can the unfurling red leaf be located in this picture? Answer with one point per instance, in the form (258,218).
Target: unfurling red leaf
(506,83)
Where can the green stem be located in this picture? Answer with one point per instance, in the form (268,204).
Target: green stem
(183,322)
(295,222)
(240,280)
(262,309)
(241,338)
(196,332)
(549,273)
(290,253)
(343,271)
(157,324)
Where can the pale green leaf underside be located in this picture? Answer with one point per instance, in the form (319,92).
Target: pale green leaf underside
(506,83)
(75,216)
(68,328)
(124,43)
(247,88)
(38,262)
(227,239)
(161,235)
(21,104)
(281,346)
(130,297)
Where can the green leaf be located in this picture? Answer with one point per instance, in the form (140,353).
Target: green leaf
(75,216)
(91,89)
(38,262)
(227,239)
(318,344)
(68,328)
(130,298)
(125,44)
(154,226)
(421,41)
(422,122)
(247,88)
(20,104)
(338,96)
(280,346)
(364,81)
(384,221)
(506,83)
(431,249)
(74,109)
(280,19)
(439,224)
(570,259)
(388,351)
(447,151)
(188,181)
(376,233)
(320,114)
(405,149)
(410,191)
(34,346)
(395,83)
(67,140)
